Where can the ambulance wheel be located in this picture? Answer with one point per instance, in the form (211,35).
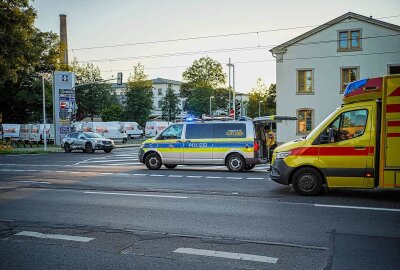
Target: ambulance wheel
(153,161)
(67,148)
(89,148)
(170,166)
(235,163)
(307,182)
(249,167)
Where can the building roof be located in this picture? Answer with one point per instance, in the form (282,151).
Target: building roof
(282,48)
(165,81)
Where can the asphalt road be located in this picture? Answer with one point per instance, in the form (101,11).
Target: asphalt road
(107,211)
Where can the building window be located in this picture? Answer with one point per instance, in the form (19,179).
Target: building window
(305,81)
(159,91)
(305,121)
(348,75)
(394,69)
(349,40)
(160,103)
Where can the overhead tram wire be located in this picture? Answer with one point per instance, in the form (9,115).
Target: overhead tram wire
(237,49)
(213,36)
(272,60)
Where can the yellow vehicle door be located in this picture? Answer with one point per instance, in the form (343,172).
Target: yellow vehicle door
(346,149)
(170,144)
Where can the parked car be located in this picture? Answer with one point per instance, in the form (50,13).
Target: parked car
(131,129)
(86,141)
(109,130)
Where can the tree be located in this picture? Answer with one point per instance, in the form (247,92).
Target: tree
(95,96)
(201,80)
(170,105)
(221,97)
(139,96)
(264,94)
(26,53)
(113,112)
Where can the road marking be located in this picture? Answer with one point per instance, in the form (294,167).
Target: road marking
(238,178)
(157,175)
(357,207)
(55,236)
(106,173)
(254,178)
(228,255)
(123,174)
(174,175)
(194,176)
(107,160)
(137,195)
(139,174)
(214,177)
(36,182)
(75,172)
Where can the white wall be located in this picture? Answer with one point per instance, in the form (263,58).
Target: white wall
(326,73)
(156,97)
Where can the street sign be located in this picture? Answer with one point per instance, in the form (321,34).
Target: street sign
(231,112)
(63,105)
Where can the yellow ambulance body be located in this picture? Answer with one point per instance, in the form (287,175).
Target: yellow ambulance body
(356,146)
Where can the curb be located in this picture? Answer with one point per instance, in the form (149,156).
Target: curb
(127,146)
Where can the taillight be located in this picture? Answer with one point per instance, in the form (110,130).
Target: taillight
(256,146)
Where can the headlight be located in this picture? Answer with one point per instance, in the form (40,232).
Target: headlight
(282,155)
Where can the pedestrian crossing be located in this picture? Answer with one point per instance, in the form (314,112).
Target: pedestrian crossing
(129,158)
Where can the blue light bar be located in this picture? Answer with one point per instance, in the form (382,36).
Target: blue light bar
(354,86)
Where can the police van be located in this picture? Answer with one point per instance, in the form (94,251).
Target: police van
(239,145)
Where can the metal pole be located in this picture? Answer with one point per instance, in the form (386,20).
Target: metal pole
(233,93)
(44,116)
(210,103)
(229,89)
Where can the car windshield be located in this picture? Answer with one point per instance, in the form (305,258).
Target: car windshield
(92,135)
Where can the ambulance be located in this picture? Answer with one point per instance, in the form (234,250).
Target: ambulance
(356,146)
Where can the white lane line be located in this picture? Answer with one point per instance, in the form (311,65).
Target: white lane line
(228,255)
(357,207)
(55,236)
(107,160)
(157,175)
(139,174)
(75,172)
(106,173)
(214,177)
(137,195)
(254,178)
(194,176)
(122,174)
(238,178)
(33,165)
(174,175)
(36,182)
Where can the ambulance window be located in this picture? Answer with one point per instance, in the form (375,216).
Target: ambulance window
(229,130)
(173,132)
(199,131)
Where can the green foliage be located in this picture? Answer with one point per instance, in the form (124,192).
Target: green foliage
(25,53)
(170,106)
(139,96)
(202,80)
(93,98)
(113,112)
(265,94)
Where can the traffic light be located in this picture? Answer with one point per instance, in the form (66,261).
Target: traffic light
(238,110)
(119,78)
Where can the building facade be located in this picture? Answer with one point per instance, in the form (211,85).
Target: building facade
(313,69)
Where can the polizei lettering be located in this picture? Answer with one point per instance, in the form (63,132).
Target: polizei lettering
(197,145)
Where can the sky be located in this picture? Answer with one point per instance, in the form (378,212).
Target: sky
(100,23)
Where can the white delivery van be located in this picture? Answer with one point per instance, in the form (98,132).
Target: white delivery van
(155,127)
(24,132)
(11,131)
(77,126)
(49,132)
(109,130)
(34,133)
(132,129)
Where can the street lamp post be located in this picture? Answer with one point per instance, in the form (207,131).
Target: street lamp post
(259,108)
(44,116)
(233,87)
(210,103)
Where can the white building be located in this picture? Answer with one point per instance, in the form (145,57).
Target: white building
(312,70)
(160,87)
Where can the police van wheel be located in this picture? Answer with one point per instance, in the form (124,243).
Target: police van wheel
(153,161)
(170,166)
(235,163)
(307,182)
(249,167)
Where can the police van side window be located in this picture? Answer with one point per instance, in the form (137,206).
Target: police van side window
(230,130)
(173,132)
(199,131)
(346,126)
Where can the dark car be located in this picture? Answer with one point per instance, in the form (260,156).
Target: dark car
(86,141)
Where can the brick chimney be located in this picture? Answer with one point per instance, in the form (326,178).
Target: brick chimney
(63,36)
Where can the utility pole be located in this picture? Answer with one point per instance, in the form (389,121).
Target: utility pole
(229,89)
(44,116)
(233,88)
